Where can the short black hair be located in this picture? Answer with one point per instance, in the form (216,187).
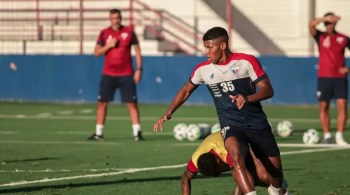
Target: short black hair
(115,11)
(207,164)
(214,33)
(329,14)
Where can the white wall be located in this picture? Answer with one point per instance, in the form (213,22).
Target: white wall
(285,22)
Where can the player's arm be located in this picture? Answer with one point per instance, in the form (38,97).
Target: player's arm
(138,56)
(345,70)
(186,178)
(102,49)
(265,91)
(179,99)
(314,22)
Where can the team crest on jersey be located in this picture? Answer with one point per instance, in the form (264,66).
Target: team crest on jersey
(235,70)
(318,94)
(124,35)
(212,76)
(340,39)
(327,42)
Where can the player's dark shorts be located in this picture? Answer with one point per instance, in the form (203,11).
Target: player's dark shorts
(125,84)
(262,142)
(332,88)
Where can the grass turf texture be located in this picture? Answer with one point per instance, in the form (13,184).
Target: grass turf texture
(40,140)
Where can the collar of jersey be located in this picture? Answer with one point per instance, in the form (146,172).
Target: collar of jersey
(120,27)
(226,62)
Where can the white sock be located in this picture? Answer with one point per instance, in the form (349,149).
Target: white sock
(327,135)
(274,191)
(136,128)
(99,129)
(339,135)
(251,193)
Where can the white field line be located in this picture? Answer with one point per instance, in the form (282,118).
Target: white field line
(40,115)
(133,170)
(96,143)
(126,118)
(286,145)
(157,133)
(291,145)
(313,150)
(59,170)
(70,132)
(86,111)
(65,112)
(8,132)
(167,133)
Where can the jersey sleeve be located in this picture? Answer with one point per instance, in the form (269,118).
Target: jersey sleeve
(100,40)
(317,36)
(196,77)
(134,40)
(192,167)
(255,71)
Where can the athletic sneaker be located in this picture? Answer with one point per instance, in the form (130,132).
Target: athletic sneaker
(95,137)
(139,137)
(273,191)
(327,141)
(340,141)
(284,188)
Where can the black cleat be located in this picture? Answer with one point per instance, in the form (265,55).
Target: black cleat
(95,137)
(139,137)
(327,141)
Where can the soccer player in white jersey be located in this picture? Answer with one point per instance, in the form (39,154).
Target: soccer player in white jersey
(231,79)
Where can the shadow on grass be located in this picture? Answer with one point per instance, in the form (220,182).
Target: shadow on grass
(29,160)
(97,183)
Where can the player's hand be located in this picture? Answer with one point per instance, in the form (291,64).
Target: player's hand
(344,70)
(159,123)
(332,19)
(240,100)
(137,76)
(111,42)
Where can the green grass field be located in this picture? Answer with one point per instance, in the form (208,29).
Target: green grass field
(43,150)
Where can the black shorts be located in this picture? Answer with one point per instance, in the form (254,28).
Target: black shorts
(262,142)
(329,88)
(109,85)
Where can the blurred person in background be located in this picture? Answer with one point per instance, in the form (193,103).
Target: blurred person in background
(115,42)
(332,80)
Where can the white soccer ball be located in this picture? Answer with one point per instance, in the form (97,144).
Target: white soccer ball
(180,131)
(193,132)
(215,128)
(284,128)
(311,136)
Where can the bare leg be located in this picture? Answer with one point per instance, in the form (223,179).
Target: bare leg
(274,168)
(133,113)
(238,152)
(342,114)
(101,112)
(324,116)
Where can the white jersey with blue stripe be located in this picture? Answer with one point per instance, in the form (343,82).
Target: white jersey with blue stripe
(236,76)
